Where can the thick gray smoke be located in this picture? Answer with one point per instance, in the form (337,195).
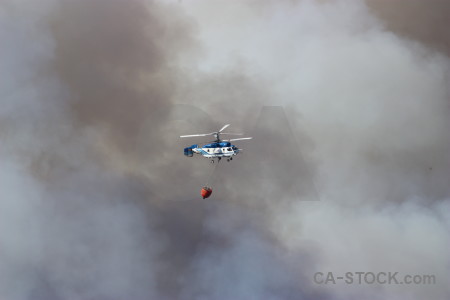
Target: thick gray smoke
(425,21)
(98,201)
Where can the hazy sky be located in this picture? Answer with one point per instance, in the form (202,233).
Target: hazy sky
(348,172)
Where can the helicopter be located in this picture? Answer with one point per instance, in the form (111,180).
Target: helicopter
(216,149)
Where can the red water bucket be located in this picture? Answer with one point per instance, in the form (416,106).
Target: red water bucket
(206,192)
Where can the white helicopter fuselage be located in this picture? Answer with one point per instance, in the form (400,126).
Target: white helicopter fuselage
(213,150)
(217,149)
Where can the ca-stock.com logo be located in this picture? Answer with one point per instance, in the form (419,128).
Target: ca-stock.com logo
(391,278)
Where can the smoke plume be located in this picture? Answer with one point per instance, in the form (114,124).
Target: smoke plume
(348,170)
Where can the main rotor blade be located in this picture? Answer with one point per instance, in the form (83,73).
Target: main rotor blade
(191,135)
(231,133)
(240,139)
(224,128)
